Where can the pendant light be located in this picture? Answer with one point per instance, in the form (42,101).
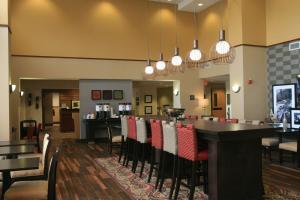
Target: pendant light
(222,47)
(149,70)
(176,59)
(195,53)
(161,64)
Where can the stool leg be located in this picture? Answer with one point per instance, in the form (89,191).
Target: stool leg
(178,181)
(205,176)
(122,148)
(135,156)
(151,163)
(143,159)
(193,180)
(159,169)
(129,143)
(175,158)
(270,153)
(162,176)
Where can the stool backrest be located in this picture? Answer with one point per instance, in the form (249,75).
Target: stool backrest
(187,142)
(52,176)
(157,134)
(141,130)
(124,126)
(132,128)
(170,137)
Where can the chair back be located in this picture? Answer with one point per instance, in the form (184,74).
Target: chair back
(170,137)
(194,117)
(45,153)
(27,129)
(157,134)
(52,176)
(187,142)
(206,118)
(132,128)
(215,119)
(256,122)
(187,116)
(141,130)
(124,126)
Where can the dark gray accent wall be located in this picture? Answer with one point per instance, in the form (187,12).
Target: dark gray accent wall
(88,105)
(283,67)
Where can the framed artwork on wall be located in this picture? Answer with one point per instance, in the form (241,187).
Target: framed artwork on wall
(75,104)
(284,98)
(295,118)
(107,94)
(118,95)
(148,110)
(96,95)
(148,98)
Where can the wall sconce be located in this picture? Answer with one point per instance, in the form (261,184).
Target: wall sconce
(21,93)
(12,88)
(298,76)
(236,88)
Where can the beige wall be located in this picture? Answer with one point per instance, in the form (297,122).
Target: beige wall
(165,96)
(282,20)
(141,92)
(4,12)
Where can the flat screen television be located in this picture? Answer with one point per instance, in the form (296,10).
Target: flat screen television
(298,91)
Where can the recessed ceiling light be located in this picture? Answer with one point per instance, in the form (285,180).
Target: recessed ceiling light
(200,4)
(169,0)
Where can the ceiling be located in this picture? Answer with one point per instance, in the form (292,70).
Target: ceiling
(190,5)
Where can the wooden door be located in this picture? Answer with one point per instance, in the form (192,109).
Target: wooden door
(218,103)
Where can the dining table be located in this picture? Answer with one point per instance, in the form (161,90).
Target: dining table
(13,151)
(17,143)
(9,165)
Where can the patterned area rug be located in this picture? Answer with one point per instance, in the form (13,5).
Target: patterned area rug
(139,189)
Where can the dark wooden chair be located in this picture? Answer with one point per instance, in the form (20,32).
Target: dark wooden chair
(35,174)
(114,134)
(291,146)
(30,131)
(42,189)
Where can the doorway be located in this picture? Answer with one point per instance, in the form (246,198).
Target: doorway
(218,102)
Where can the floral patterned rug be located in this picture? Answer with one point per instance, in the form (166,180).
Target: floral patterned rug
(139,189)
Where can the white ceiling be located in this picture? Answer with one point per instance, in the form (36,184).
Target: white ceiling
(190,5)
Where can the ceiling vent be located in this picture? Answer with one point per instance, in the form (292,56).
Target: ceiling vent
(294,46)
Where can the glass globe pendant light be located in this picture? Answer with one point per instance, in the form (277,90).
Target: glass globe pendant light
(222,47)
(195,53)
(176,59)
(149,69)
(161,64)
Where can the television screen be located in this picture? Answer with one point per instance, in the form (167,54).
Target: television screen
(298,91)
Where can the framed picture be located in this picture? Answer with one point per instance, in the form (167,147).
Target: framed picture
(295,118)
(148,98)
(192,97)
(298,90)
(148,110)
(284,98)
(75,104)
(96,94)
(118,95)
(107,94)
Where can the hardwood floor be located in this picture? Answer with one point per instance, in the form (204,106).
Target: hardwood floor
(79,177)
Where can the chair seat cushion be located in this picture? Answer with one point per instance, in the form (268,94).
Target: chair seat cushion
(268,142)
(26,173)
(288,146)
(117,138)
(203,155)
(27,190)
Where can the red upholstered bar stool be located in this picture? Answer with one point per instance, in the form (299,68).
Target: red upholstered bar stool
(188,150)
(157,144)
(131,139)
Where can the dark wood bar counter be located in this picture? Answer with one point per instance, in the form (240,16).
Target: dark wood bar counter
(235,159)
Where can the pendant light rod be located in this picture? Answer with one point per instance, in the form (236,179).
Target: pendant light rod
(147,30)
(196,23)
(176,24)
(222,35)
(160,21)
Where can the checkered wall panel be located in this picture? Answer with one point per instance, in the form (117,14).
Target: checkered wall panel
(283,67)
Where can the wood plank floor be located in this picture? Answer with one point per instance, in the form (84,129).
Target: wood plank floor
(80,178)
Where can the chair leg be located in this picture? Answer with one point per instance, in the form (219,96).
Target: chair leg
(173,176)
(159,169)
(193,180)
(151,163)
(178,181)
(162,176)
(143,159)
(270,153)
(280,156)
(205,177)
(122,149)
(265,152)
(129,143)
(135,156)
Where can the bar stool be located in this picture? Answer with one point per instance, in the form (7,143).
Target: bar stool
(157,144)
(124,133)
(188,150)
(131,140)
(293,146)
(170,147)
(143,141)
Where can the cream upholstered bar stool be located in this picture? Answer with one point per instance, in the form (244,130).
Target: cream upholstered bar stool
(36,174)
(124,133)
(291,146)
(37,189)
